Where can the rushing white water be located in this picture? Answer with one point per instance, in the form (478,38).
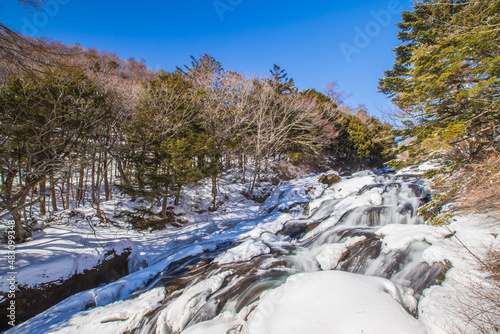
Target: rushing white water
(337,243)
(337,233)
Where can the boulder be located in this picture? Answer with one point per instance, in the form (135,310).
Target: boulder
(329,179)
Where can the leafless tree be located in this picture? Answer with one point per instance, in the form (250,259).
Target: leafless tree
(278,124)
(333,91)
(223,99)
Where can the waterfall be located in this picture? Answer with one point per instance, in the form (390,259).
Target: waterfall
(337,233)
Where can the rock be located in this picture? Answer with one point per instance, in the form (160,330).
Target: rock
(329,179)
(31,301)
(345,173)
(308,190)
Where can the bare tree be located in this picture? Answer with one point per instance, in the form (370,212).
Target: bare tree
(333,91)
(279,123)
(223,102)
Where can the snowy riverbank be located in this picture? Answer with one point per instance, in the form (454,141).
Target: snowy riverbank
(275,267)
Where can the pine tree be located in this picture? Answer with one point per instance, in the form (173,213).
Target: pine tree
(158,132)
(446,74)
(282,84)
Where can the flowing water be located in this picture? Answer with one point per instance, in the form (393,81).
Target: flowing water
(308,242)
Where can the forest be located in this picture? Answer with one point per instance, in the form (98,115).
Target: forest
(72,117)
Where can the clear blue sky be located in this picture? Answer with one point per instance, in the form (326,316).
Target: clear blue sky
(315,41)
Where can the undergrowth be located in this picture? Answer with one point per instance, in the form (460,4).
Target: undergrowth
(479,304)
(463,187)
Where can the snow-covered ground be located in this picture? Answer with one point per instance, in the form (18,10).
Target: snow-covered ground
(313,296)
(76,240)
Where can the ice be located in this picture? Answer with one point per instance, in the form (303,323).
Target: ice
(176,316)
(223,323)
(118,317)
(400,237)
(330,256)
(326,302)
(244,252)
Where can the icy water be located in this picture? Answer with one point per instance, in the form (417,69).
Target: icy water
(331,235)
(218,276)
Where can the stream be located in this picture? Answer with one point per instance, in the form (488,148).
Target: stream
(354,248)
(324,237)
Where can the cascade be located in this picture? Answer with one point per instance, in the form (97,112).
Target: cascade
(330,236)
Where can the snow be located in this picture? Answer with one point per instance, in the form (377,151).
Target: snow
(176,316)
(396,237)
(60,252)
(69,246)
(421,168)
(244,252)
(330,256)
(117,317)
(324,302)
(223,323)
(344,196)
(466,293)
(315,301)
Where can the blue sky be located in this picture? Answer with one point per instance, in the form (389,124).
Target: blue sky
(316,41)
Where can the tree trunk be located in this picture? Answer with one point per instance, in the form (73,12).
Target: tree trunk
(92,180)
(68,187)
(53,193)
(252,184)
(125,179)
(98,179)
(244,167)
(63,199)
(228,161)
(85,186)
(43,190)
(256,175)
(214,192)
(164,207)
(107,190)
(79,193)
(177,196)
(21,233)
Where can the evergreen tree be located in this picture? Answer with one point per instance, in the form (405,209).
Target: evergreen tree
(446,75)
(282,84)
(43,122)
(165,138)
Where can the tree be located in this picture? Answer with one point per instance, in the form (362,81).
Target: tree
(446,75)
(333,91)
(280,81)
(165,146)
(42,123)
(279,123)
(21,54)
(222,102)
